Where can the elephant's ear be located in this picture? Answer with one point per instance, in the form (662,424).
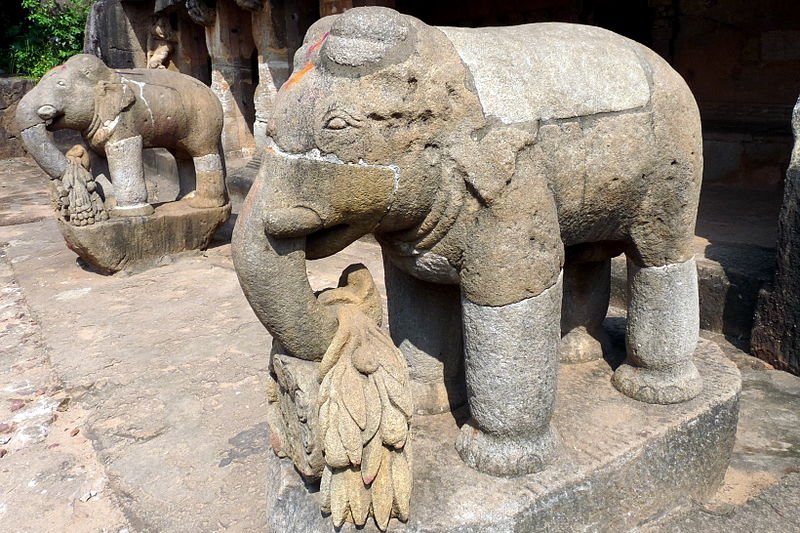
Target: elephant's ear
(489,165)
(112,98)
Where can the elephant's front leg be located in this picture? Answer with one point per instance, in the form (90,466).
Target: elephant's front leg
(210,179)
(511,369)
(512,286)
(127,175)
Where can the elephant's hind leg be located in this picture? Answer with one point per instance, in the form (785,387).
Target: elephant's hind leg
(662,334)
(210,177)
(587,287)
(187,181)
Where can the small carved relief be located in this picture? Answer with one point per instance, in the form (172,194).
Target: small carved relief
(350,429)
(77,199)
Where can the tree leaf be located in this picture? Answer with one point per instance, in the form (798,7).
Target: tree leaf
(339,497)
(359,498)
(335,453)
(325,490)
(350,436)
(394,424)
(399,395)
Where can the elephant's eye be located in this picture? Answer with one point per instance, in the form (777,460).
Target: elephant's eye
(336,123)
(62,83)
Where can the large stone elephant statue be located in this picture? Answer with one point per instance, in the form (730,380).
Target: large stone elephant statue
(509,162)
(121,112)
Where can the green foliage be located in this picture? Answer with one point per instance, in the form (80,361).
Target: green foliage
(51,32)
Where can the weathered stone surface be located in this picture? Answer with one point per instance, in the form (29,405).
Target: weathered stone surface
(606,440)
(730,275)
(776,333)
(52,479)
(389,126)
(538,88)
(24,194)
(662,331)
(776,510)
(511,394)
(138,241)
(587,289)
(431,341)
(172,397)
(11,92)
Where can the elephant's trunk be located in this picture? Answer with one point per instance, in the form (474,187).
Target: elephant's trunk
(272,273)
(31,121)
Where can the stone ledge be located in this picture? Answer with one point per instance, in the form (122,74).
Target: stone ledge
(127,242)
(623,463)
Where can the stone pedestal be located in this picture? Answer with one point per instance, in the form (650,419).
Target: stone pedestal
(624,462)
(124,242)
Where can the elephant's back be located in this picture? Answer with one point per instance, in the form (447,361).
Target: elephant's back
(551,71)
(181,90)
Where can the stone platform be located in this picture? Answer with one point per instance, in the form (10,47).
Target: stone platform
(127,242)
(623,463)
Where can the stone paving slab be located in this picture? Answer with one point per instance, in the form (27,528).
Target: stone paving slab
(165,373)
(170,366)
(50,478)
(23,192)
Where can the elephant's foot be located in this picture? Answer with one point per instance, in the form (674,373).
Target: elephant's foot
(204,202)
(674,384)
(136,210)
(507,455)
(580,346)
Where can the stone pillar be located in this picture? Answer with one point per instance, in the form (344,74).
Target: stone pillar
(776,334)
(230,45)
(263,32)
(116,32)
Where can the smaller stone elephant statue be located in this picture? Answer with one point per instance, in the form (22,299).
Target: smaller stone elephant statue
(120,113)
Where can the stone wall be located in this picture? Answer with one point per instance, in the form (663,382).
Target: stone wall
(776,335)
(11,91)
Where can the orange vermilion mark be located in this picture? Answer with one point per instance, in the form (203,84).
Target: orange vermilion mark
(316,46)
(309,66)
(297,76)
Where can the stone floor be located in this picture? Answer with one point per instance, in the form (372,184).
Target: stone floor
(136,402)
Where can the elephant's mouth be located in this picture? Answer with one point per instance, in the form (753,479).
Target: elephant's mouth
(328,241)
(50,115)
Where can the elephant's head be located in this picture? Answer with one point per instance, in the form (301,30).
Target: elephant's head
(75,95)
(361,138)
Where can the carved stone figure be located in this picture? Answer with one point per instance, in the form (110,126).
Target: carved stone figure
(344,421)
(120,113)
(160,43)
(77,199)
(510,162)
